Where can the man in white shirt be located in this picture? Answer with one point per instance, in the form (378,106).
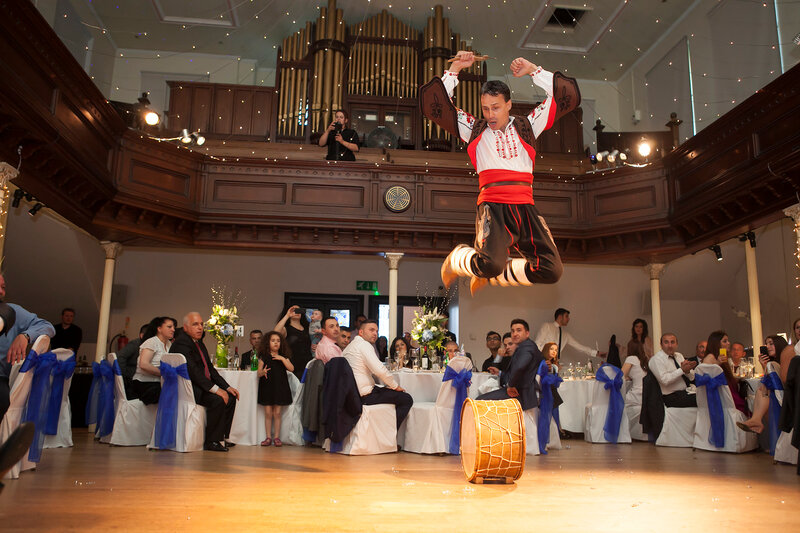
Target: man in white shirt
(327,348)
(673,373)
(556,333)
(360,353)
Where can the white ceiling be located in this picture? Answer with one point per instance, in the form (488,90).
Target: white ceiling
(603,45)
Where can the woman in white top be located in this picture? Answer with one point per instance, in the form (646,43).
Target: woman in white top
(635,369)
(157,341)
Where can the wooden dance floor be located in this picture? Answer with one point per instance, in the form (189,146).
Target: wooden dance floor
(587,487)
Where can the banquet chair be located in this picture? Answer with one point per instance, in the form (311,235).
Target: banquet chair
(606,419)
(677,427)
(291,424)
(715,429)
(531,419)
(634,424)
(429,425)
(133,420)
(375,431)
(59,430)
(190,418)
(785,452)
(18,400)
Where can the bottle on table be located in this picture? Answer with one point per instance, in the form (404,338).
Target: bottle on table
(236,358)
(254,360)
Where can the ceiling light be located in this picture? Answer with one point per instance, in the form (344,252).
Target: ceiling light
(601,155)
(18,194)
(35,209)
(185,137)
(197,139)
(613,156)
(623,156)
(717,251)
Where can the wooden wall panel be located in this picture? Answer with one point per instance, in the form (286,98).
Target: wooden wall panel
(625,202)
(242,112)
(222,119)
(250,192)
(180,106)
(452,203)
(689,182)
(158,179)
(329,196)
(559,209)
(202,107)
(262,114)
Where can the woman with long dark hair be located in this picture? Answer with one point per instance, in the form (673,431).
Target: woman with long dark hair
(640,342)
(294,326)
(400,352)
(157,339)
(717,354)
(779,351)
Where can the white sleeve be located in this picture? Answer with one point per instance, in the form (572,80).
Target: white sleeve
(377,368)
(664,375)
(568,339)
(465,120)
(543,115)
(541,337)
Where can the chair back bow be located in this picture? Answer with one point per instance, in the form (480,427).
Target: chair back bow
(36,408)
(167,414)
(772,381)
(616,403)
(100,408)
(716,434)
(61,371)
(547,381)
(460,382)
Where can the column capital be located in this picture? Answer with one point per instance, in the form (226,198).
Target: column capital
(7,173)
(112,249)
(793,212)
(393,258)
(655,270)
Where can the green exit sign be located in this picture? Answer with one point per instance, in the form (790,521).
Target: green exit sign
(366,285)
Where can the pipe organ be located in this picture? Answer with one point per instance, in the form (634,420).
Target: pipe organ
(378,62)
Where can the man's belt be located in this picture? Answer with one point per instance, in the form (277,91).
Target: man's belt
(498,183)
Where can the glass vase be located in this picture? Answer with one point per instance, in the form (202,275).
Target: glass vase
(222,355)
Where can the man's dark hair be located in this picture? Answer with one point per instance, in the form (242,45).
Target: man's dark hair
(560,311)
(67,309)
(522,322)
(506,335)
(256,331)
(491,333)
(325,320)
(343,112)
(368,321)
(739,343)
(143,329)
(496,88)
(361,316)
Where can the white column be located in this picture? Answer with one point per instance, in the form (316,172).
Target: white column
(755,301)
(655,270)
(393,259)
(112,250)
(7,173)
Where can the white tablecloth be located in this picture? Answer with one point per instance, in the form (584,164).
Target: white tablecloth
(576,394)
(424,386)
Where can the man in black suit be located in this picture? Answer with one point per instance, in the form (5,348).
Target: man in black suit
(210,389)
(519,380)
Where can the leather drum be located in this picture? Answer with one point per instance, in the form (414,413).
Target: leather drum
(492,440)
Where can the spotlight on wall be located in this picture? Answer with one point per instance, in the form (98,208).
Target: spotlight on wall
(18,194)
(749,236)
(150,117)
(197,138)
(601,155)
(613,156)
(623,156)
(35,209)
(644,148)
(185,137)
(717,251)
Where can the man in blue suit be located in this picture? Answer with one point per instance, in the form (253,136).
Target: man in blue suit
(519,379)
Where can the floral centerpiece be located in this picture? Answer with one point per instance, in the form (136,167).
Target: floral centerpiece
(222,323)
(428,330)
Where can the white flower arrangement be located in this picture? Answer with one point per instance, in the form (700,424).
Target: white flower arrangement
(224,316)
(427,328)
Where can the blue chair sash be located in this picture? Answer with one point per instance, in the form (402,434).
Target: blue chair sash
(546,380)
(36,409)
(167,414)
(460,382)
(100,407)
(616,403)
(62,370)
(772,381)
(716,434)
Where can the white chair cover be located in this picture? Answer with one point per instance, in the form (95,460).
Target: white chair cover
(18,399)
(597,410)
(531,418)
(736,440)
(134,421)
(63,437)
(785,452)
(634,425)
(428,426)
(291,421)
(375,432)
(191,423)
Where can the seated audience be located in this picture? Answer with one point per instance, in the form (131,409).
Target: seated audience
(496,353)
(156,341)
(360,353)
(779,351)
(327,348)
(673,373)
(14,344)
(736,355)
(550,353)
(344,337)
(210,389)
(381,347)
(246,362)
(399,351)
(716,353)
(127,358)
(640,340)
(448,334)
(519,380)
(451,351)
(634,369)
(273,385)
(68,335)
(699,352)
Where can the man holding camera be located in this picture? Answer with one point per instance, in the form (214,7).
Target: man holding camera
(343,143)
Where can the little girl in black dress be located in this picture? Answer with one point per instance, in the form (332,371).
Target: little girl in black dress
(273,383)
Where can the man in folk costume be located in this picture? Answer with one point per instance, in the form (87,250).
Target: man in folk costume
(502,150)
